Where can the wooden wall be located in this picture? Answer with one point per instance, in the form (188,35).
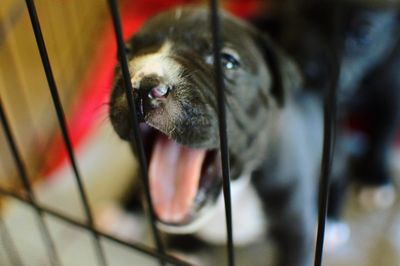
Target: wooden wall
(70,29)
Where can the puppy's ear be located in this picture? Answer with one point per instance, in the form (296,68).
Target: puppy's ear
(286,77)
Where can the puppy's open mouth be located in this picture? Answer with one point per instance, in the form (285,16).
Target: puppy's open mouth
(183,181)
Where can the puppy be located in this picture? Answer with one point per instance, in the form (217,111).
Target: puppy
(366,37)
(274,131)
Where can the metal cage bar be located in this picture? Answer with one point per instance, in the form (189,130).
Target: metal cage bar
(136,246)
(326,162)
(137,139)
(219,82)
(329,139)
(9,245)
(63,125)
(53,255)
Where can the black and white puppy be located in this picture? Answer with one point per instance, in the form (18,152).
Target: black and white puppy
(366,34)
(274,130)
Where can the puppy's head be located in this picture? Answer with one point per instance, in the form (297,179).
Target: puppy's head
(171,67)
(364,33)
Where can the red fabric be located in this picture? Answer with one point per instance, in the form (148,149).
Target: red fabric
(246,9)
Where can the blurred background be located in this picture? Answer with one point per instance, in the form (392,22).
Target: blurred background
(82,51)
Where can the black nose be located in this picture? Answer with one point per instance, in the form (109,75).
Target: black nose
(158,92)
(152,87)
(151,92)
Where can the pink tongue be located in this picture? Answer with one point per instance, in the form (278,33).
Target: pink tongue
(174,178)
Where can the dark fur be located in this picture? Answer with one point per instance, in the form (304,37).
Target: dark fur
(274,128)
(366,37)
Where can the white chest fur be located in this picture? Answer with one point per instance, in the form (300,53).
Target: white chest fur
(249,221)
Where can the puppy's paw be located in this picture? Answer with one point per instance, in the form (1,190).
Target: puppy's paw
(377,197)
(337,233)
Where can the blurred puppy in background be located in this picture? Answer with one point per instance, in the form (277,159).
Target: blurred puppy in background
(363,38)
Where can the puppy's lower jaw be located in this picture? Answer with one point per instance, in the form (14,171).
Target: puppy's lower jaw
(183,182)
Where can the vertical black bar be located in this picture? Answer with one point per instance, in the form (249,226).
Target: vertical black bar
(54,258)
(215,28)
(61,119)
(12,252)
(330,107)
(135,123)
(325,174)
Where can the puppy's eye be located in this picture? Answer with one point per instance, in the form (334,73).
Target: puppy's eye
(229,61)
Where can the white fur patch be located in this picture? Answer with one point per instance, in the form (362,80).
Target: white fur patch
(249,221)
(158,63)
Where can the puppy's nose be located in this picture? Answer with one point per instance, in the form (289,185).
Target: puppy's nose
(152,91)
(151,87)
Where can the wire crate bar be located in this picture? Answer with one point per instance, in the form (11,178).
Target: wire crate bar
(136,246)
(53,256)
(137,139)
(63,125)
(219,90)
